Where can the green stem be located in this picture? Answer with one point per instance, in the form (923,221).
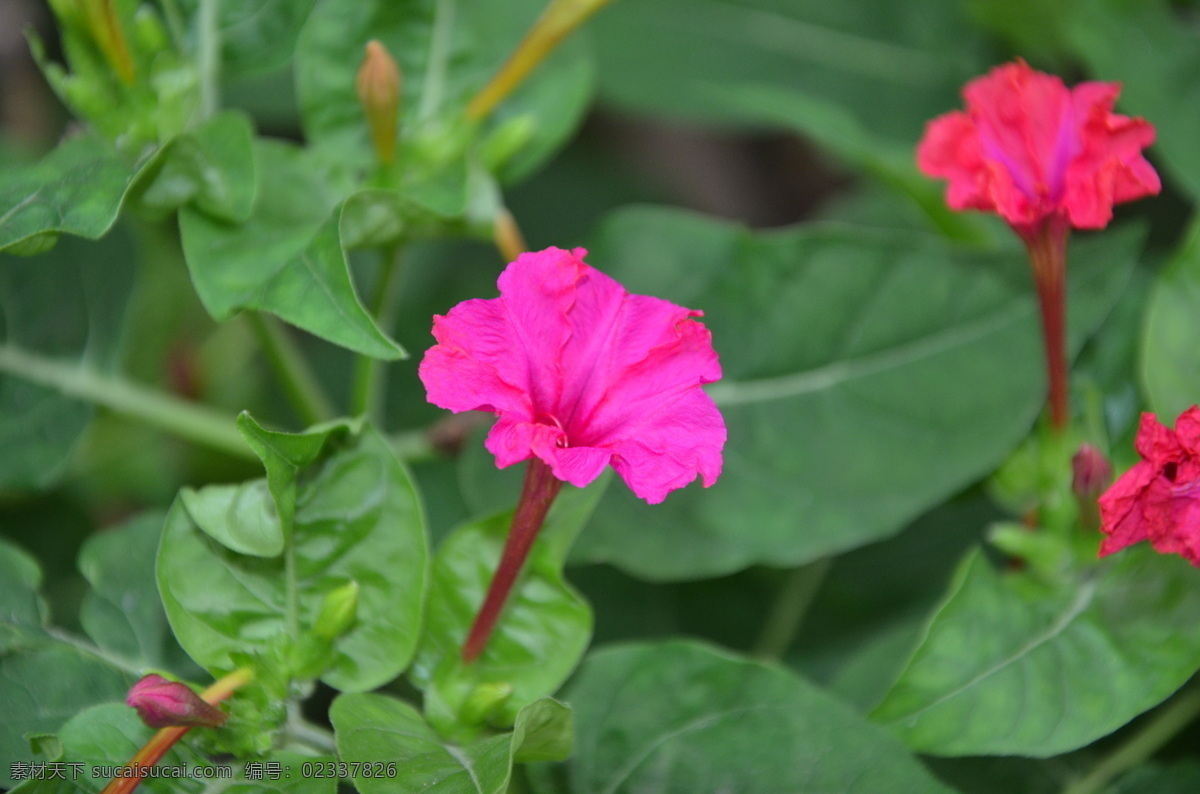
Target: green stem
(439,54)
(297,378)
(208,56)
(787,613)
(367,393)
(316,737)
(174,18)
(1162,727)
(179,417)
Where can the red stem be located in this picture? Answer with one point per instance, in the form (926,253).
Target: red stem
(1047,244)
(541,486)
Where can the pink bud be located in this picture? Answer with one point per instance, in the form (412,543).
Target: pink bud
(1091,472)
(166,704)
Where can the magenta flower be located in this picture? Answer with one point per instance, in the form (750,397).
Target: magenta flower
(1028,148)
(164,704)
(583,375)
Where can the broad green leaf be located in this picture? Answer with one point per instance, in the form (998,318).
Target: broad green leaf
(358,518)
(390,735)
(76,189)
(1158,68)
(256,34)
(682,717)
(538,639)
(286,259)
(890,65)
(855,362)
(65,304)
(123,613)
(447,51)
(210,168)
(1170,365)
(1179,777)
(1012,666)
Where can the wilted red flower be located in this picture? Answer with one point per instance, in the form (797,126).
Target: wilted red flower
(165,704)
(1029,148)
(1159,498)
(582,374)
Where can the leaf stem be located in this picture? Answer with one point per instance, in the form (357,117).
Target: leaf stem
(153,751)
(316,737)
(787,613)
(558,21)
(1162,727)
(439,54)
(208,56)
(507,236)
(297,378)
(537,494)
(367,393)
(179,417)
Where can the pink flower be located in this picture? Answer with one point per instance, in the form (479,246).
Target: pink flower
(165,704)
(1159,498)
(1030,148)
(583,375)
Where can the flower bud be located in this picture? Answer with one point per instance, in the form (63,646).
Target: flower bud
(338,612)
(166,704)
(1091,472)
(378,85)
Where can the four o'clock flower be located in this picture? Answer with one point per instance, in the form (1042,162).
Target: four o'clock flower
(582,376)
(1159,498)
(1045,158)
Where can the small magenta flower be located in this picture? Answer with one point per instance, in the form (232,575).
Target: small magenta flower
(1046,158)
(166,704)
(1159,498)
(582,375)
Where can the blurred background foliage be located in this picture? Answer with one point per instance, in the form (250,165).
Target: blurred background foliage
(766,115)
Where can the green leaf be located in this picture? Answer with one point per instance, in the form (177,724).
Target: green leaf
(210,168)
(123,613)
(1179,777)
(855,362)
(292,779)
(68,303)
(76,189)
(358,518)
(538,640)
(1012,666)
(286,259)
(1170,361)
(682,717)
(446,51)
(753,290)
(892,66)
(1158,67)
(378,730)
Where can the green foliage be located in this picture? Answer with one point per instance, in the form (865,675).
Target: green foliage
(398,752)
(1170,364)
(1013,666)
(918,370)
(357,518)
(681,717)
